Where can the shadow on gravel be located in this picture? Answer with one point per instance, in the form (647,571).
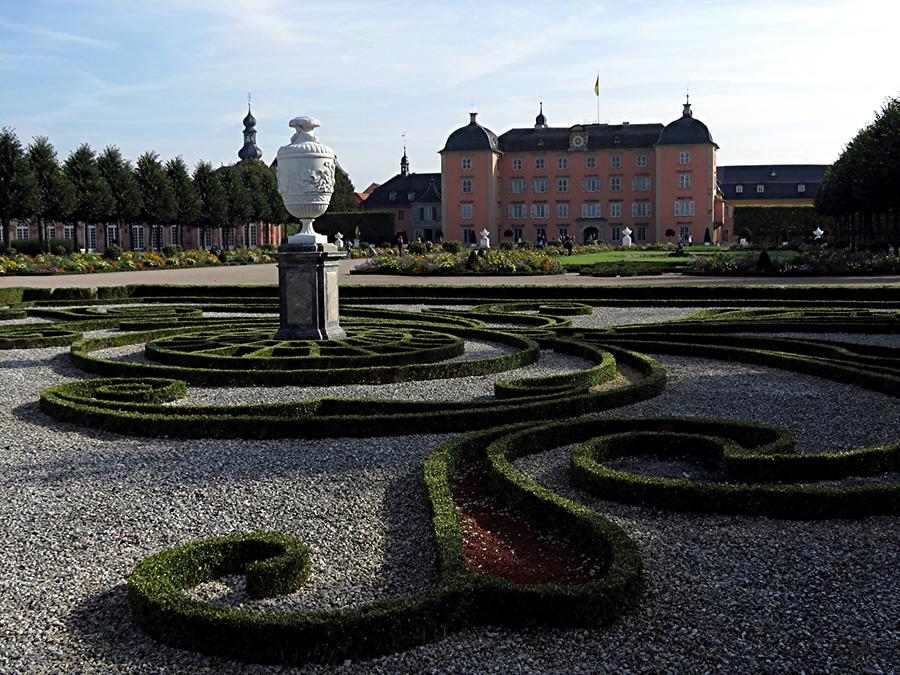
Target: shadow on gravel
(61,364)
(103,624)
(31,413)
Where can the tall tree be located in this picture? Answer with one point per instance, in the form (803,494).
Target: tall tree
(344,196)
(238,197)
(119,175)
(19,193)
(860,189)
(57,194)
(94,201)
(256,177)
(187,201)
(157,196)
(213,200)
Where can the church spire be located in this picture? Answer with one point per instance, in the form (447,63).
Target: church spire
(404,161)
(540,122)
(249,149)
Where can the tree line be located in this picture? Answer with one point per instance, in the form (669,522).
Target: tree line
(106,188)
(861,190)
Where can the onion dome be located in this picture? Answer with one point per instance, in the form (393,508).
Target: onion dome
(404,163)
(540,122)
(473,136)
(685,130)
(249,149)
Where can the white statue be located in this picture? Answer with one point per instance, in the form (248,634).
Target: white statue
(485,239)
(626,237)
(306,179)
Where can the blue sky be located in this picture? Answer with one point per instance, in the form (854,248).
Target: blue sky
(787,81)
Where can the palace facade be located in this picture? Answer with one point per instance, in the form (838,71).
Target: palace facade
(588,182)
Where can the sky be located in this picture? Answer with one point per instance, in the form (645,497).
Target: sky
(776,82)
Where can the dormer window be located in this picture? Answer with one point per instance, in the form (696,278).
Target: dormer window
(738,189)
(392,196)
(760,189)
(801,188)
(411,196)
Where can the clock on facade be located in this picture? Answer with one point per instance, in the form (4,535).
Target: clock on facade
(578,141)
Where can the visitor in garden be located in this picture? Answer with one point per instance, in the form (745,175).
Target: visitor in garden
(569,245)
(400,243)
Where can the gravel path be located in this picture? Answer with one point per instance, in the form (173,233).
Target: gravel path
(79,508)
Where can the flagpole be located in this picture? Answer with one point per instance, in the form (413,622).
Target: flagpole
(598,96)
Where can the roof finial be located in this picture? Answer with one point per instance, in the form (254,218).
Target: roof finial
(687,101)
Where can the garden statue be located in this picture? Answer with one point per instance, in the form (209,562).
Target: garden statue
(626,237)
(307,263)
(485,239)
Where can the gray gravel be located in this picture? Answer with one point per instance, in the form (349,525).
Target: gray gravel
(79,508)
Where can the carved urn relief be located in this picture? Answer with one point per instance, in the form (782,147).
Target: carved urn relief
(306,179)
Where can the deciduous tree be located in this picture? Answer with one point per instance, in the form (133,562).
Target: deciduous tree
(56,192)
(94,201)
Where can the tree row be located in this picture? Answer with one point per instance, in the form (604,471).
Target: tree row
(861,190)
(106,188)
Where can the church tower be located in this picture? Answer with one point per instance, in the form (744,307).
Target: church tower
(250,149)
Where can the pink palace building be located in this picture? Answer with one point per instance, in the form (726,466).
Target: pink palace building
(588,182)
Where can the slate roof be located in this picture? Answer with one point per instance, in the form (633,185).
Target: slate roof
(780,181)
(685,130)
(600,137)
(417,183)
(473,136)
(432,194)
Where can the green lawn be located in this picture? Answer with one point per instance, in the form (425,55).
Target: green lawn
(656,258)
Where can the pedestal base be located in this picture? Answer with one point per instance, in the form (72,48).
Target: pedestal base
(308,293)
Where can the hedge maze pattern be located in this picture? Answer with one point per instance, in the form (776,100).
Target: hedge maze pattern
(749,469)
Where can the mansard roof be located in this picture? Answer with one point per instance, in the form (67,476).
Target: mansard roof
(600,137)
(416,183)
(780,180)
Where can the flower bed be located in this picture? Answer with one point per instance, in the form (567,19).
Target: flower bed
(486,262)
(838,262)
(86,263)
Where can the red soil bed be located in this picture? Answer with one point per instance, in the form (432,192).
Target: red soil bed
(498,540)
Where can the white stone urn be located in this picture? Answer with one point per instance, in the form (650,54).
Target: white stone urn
(306,179)
(626,237)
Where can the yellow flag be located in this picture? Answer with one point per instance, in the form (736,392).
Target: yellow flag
(597,86)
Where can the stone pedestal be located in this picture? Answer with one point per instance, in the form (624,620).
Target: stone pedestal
(308,292)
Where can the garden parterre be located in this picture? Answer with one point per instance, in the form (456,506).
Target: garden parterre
(195,492)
